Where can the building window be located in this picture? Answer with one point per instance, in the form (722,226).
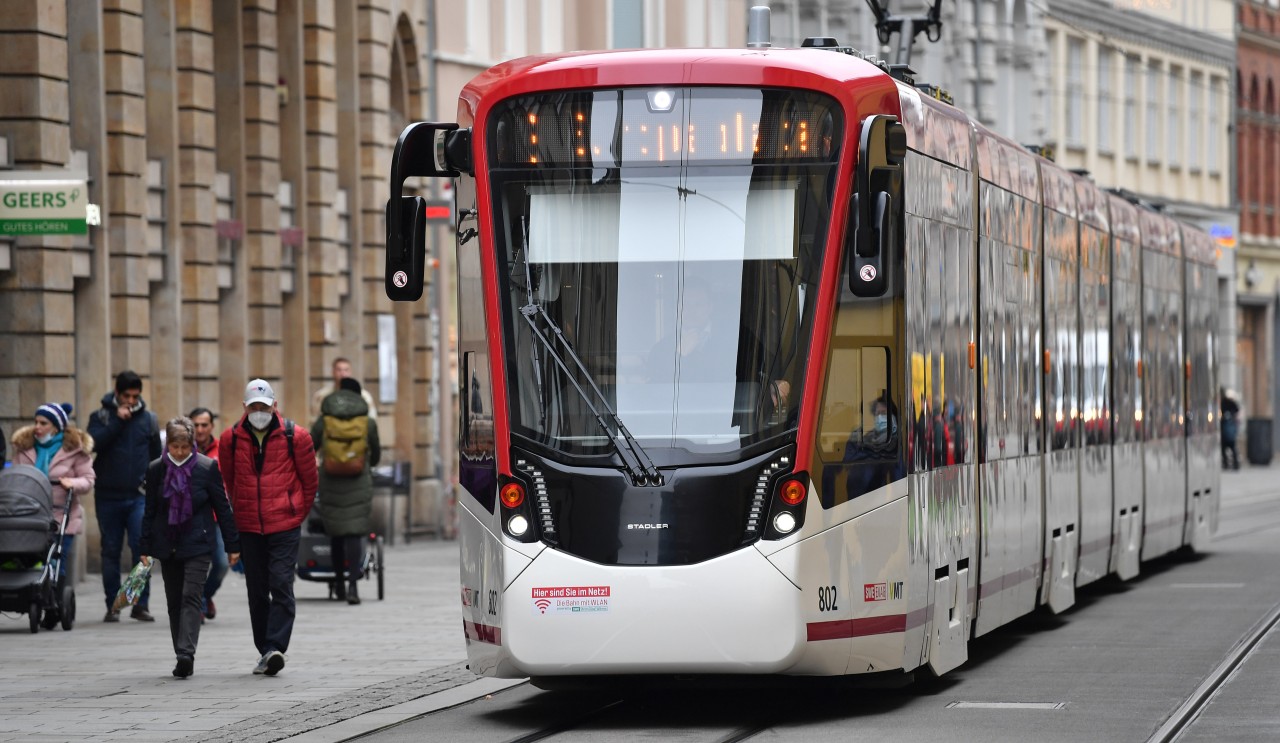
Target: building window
(1153,112)
(1075,93)
(1216,135)
(1131,108)
(1173,109)
(1104,100)
(1195,92)
(628,24)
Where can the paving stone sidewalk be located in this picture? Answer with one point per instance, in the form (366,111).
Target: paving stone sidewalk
(111,682)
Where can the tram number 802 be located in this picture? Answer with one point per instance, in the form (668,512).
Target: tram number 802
(827,598)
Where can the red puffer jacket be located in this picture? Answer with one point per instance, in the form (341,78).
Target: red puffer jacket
(268,493)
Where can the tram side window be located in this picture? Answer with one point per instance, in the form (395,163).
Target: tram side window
(859,427)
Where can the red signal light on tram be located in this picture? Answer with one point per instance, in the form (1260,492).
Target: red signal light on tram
(511,495)
(792,492)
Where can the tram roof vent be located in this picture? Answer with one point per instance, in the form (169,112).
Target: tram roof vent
(903,72)
(820,42)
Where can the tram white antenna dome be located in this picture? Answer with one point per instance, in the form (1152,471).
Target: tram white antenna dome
(758,28)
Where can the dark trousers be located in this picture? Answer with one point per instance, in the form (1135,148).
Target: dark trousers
(348,558)
(116,518)
(219,567)
(184,594)
(269,561)
(1230,457)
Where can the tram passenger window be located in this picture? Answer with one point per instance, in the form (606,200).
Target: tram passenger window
(859,427)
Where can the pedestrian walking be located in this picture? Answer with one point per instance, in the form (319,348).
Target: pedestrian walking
(347,439)
(184,493)
(341,370)
(127,437)
(207,444)
(269,467)
(1230,415)
(62,452)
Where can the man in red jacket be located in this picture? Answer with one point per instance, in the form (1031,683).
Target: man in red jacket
(269,467)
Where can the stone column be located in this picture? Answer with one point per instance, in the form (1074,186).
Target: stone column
(126,220)
(261,185)
(197,165)
(37,345)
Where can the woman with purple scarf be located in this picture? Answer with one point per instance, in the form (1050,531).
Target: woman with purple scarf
(184,490)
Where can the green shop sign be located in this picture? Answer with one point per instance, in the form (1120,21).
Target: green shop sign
(42,202)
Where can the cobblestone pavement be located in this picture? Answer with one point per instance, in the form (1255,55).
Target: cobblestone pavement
(110,682)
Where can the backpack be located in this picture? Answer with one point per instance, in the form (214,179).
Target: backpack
(346,443)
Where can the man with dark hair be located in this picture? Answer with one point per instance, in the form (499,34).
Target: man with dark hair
(127,438)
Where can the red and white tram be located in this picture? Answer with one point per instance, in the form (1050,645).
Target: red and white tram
(771,363)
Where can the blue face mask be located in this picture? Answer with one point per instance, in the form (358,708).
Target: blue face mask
(882,423)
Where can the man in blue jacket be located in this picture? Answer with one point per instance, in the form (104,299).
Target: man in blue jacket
(127,438)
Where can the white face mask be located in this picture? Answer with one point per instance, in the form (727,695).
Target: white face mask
(260,420)
(182,461)
(45,438)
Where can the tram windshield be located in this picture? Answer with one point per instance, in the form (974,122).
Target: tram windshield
(674,237)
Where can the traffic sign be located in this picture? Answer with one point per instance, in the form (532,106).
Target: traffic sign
(43,202)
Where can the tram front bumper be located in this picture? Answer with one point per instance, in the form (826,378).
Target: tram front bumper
(735,614)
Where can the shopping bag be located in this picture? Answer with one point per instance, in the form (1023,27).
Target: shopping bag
(131,589)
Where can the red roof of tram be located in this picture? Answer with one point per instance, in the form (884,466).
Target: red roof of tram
(847,78)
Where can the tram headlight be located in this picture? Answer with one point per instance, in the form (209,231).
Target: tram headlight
(784,522)
(661,101)
(517,525)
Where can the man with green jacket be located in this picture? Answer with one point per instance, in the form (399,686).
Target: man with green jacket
(346,438)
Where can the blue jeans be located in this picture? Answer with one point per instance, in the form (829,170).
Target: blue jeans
(218,567)
(67,541)
(115,519)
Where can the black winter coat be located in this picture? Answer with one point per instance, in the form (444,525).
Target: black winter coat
(124,449)
(195,537)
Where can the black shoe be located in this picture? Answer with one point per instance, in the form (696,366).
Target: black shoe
(353,596)
(141,614)
(185,667)
(210,611)
(112,616)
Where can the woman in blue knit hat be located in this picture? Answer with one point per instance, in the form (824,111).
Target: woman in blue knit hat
(61,451)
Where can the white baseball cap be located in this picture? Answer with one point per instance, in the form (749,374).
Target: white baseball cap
(259,391)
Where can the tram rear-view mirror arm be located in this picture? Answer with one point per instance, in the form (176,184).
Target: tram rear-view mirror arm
(871,247)
(424,149)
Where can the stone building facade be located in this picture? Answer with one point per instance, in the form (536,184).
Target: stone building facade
(1257,275)
(239,152)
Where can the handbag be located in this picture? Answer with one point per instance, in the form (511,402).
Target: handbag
(131,589)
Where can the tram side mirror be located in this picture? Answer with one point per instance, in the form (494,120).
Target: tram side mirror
(428,150)
(873,246)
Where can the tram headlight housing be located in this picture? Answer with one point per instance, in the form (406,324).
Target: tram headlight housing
(786,511)
(515,510)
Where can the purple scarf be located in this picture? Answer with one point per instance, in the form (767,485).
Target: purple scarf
(177,488)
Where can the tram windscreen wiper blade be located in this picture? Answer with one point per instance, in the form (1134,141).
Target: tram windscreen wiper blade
(634,457)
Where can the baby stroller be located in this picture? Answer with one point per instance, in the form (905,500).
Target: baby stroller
(315,562)
(31,550)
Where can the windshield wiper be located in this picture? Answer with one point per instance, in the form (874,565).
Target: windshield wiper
(634,458)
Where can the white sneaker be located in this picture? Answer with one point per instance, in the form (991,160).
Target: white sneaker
(261,668)
(274,662)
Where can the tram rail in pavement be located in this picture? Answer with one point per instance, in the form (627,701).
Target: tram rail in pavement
(351,669)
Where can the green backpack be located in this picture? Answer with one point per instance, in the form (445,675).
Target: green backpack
(346,443)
